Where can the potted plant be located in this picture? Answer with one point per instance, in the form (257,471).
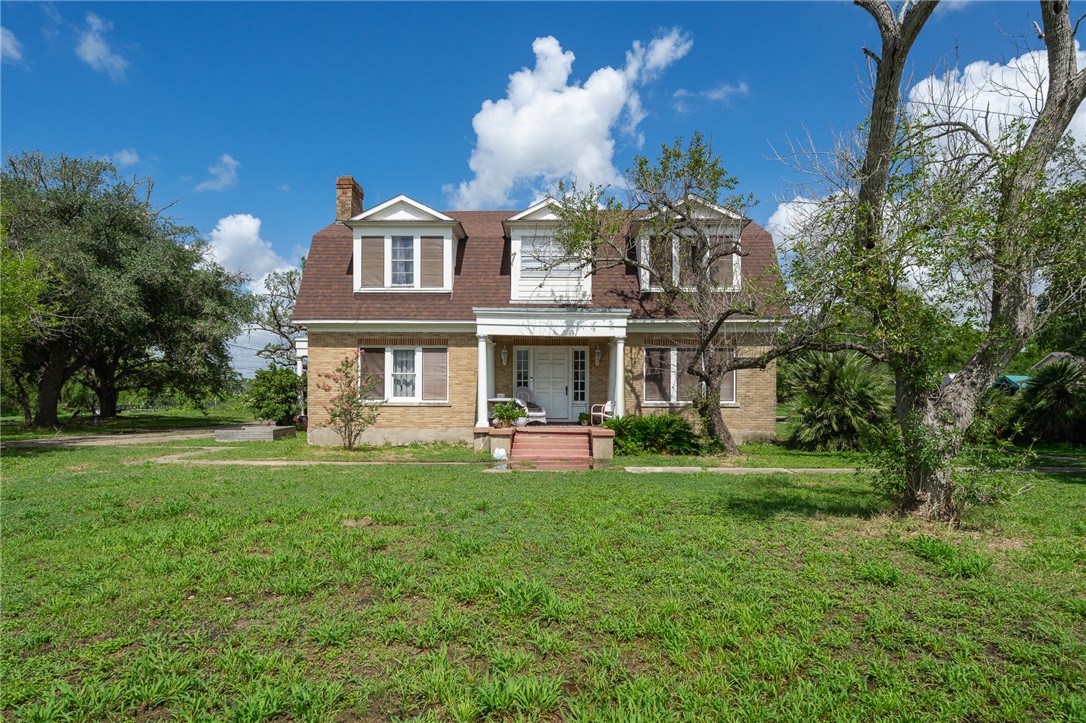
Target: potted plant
(583,419)
(507,413)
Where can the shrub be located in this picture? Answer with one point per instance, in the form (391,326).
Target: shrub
(843,402)
(1053,407)
(273,394)
(653,434)
(349,412)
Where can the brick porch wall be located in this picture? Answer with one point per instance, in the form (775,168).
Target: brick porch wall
(450,421)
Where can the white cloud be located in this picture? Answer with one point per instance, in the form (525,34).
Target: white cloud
(236,245)
(546,128)
(126,157)
(684,100)
(11,50)
(790,220)
(224,175)
(1000,92)
(95,51)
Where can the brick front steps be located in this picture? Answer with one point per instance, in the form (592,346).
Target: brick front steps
(558,444)
(550,443)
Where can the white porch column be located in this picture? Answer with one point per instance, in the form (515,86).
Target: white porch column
(620,376)
(490,369)
(481,420)
(611,371)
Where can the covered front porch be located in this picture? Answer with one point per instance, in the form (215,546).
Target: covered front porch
(566,359)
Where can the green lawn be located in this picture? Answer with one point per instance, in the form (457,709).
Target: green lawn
(448,593)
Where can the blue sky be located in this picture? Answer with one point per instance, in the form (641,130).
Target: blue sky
(245,113)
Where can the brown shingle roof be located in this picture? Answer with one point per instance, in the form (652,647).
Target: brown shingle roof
(481,277)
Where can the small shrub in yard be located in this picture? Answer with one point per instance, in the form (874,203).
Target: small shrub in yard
(273,395)
(653,434)
(843,402)
(348,410)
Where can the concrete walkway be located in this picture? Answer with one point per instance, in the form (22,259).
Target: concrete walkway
(115,440)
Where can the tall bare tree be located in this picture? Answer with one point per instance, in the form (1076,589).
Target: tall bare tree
(940,218)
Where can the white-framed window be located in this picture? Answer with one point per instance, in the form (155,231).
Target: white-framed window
(405,374)
(522,368)
(580,376)
(403,260)
(723,270)
(542,257)
(667,380)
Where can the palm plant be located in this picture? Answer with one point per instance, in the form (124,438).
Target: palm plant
(842,402)
(1053,407)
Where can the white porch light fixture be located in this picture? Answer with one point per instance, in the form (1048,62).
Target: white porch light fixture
(505,355)
(598,354)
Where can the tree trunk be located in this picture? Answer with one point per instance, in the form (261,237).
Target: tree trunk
(50,384)
(708,410)
(929,495)
(23,397)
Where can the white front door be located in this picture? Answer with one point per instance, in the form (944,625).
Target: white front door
(551,387)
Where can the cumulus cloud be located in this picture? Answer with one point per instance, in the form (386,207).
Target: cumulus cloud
(685,100)
(236,245)
(547,128)
(94,50)
(991,95)
(11,50)
(126,157)
(224,175)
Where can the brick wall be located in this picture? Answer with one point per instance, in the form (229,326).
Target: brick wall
(399,423)
(754,416)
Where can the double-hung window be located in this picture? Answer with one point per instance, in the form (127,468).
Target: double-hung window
(668,379)
(407,374)
(403,260)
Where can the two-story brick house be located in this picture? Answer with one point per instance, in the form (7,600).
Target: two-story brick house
(456,308)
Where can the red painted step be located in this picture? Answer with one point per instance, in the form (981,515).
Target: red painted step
(544,446)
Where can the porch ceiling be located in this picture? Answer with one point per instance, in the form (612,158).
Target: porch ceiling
(551,322)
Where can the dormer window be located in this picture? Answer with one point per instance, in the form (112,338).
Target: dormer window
(541,271)
(402,245)
(711,232)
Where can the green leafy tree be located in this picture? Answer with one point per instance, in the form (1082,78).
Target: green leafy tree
(349,410)
(141,302)
(680,225)
(273,394)
(842,401)
(274,312)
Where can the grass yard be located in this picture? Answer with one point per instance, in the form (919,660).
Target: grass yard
(135,590)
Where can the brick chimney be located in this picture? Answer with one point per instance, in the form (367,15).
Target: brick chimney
(348,198)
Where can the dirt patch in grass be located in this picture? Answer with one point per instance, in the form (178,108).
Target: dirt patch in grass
(361,522)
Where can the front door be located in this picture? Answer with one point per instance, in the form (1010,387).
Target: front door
(551,388)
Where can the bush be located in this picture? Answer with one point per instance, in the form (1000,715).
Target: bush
(350,411)
(273,395)
(653,434)
(1053,407)
(843,402)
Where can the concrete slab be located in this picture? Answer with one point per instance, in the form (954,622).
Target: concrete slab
(663,470)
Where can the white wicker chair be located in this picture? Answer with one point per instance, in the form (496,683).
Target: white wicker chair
(535,413)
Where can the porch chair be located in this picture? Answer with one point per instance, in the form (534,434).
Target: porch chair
(603,412)
(534,412)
